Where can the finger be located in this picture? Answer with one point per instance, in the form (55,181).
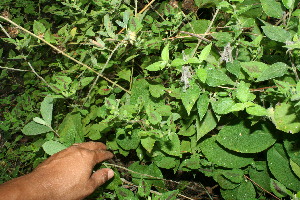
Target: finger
(91,145)
(100,177)
(102,155)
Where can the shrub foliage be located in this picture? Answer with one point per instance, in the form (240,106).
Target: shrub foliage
(206,86)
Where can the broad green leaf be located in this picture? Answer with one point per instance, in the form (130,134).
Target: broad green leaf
(145,170)
(157,66)
(246,191)
(254,69)
(279,189)
(187,130)
(216,77)
(96,131)
(272,8)
(123,193)
(289,4)
(85,81)
(70,130)
(222,105)
(295,167)
(291,146)
(201,74)
(166,162)
(205,52)
(170,144)
(154,117)
(225,181)
(276,70)
(260,174)
(286,118)
(229,194)
(257,110)
(190,97)
(165,53)
(108,26)
(33,128)
(125,74)
(38,28)
(126,141)
(235,69)
(191,163)
(51,147)
(148,142)
(178,62)
(243,138)
(40,121)
(276,33)
(144,188)
(243,92)
(156,90)
(202,105)
(46,109)
(279,166)
(219,155)
(208,124)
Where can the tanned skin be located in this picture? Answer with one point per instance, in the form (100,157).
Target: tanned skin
(65,175)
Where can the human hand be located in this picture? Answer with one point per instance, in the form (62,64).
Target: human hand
(65,175)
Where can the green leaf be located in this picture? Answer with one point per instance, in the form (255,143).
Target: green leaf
(108,26)
(289,4)
(246,191)
(205,52)
(245,139)
(259,174)
(157,66)
(257,110)
(190,97)
(295,167)
(223,181)
(148,142)
(243,92)
(208,124)
(216,78)
(126,141)
(254,69)
(222,105)
(286,118)
(165,53)
(201,74)
(123,193)
(51,147)
(170,144)
(154,117)
(85,81)
(279,189)
(202,105)
(40,121)
(276,70)
(280,167)
(218,155)
(164,161)
(38,28)
(33,128)
(157,90)
(46,109)
(178,62)
(272,8)
(70,130)
(276,33)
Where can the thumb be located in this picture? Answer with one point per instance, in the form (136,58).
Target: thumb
(101,176)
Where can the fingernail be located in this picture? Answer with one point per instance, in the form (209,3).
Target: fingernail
(110,174)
